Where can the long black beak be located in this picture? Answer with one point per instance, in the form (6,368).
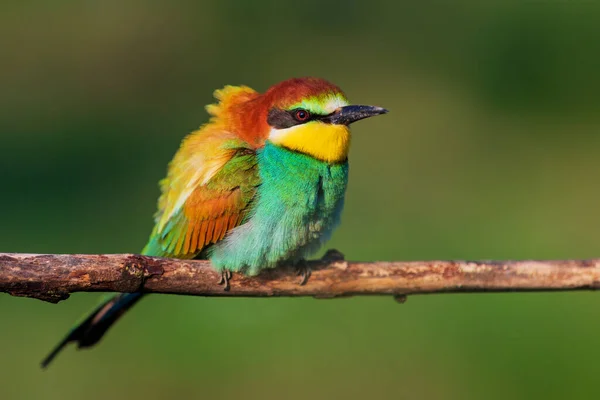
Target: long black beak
(349,114)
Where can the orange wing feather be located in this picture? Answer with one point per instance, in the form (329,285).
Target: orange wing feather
(210,183)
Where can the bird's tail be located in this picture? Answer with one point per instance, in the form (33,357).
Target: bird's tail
(92,328)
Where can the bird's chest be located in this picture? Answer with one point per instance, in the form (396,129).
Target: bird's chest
(298,193)
(297,206)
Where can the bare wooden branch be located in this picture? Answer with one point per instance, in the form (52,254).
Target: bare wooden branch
(52,277)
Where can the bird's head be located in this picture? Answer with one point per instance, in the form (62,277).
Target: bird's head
(311,116)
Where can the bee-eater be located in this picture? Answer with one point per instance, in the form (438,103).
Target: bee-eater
(261,183)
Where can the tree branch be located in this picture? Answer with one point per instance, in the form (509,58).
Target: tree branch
(52,277)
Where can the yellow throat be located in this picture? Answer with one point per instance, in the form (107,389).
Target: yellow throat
(325,142)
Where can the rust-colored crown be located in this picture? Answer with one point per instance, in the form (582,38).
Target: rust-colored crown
(294,90)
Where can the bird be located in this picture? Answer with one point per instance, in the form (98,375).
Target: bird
(260,184)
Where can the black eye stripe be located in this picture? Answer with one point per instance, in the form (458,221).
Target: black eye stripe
(282,119)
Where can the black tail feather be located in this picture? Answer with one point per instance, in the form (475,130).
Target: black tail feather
(57,350)
(93,328)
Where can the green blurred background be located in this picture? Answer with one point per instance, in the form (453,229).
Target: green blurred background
(490,150)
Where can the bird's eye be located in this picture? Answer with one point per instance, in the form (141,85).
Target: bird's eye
(301,115)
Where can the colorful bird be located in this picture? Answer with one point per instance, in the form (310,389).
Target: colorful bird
(261,183)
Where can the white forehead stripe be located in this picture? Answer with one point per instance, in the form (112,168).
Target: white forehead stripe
(334,103)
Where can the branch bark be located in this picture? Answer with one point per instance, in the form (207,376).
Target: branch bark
(52,277)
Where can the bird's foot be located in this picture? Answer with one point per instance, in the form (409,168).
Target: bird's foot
(303,271)
(333,255)
(225,277)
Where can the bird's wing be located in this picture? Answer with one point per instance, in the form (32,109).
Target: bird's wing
(210,185)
